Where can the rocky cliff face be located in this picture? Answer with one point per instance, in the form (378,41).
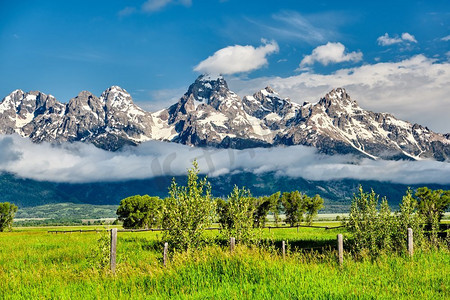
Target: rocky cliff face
(109,122)
(209,114)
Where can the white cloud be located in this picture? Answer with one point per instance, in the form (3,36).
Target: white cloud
(446,38)
(408,37)
(237,59)
(330,53)
(156,5)
(80,162)
(416,89)
(386,40)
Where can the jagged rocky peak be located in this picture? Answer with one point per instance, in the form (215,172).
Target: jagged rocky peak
(337,96)
(264,102)
(115,91)
(116,97)
(208,89)
(338,102)
(13,96)
(84,103)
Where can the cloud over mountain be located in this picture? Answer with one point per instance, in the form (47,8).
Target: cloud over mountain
(330,53)
(78,162)
(237,59)
(416,89)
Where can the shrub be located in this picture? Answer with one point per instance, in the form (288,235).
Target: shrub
(236,214)
(408,217)
(371,229)
(188,211)
(379,230)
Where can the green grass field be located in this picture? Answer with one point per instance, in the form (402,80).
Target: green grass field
(37,265)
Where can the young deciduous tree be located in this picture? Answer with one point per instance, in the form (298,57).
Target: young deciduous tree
(7,212)
(264,205)
(408,218)
(432,205)
(140,211)
(294,207)
(299,207)
(236,214)
(188,211)
(313,205)
(378,230)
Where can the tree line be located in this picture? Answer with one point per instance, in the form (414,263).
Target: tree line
(189,209)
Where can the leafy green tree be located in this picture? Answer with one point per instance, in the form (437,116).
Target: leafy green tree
(236,214)
(188,211)
(364,222)
(313,205)
(432,205)
(294,207)
(140,211)
(7,212)
(408,218)
(263,206)
(378,229)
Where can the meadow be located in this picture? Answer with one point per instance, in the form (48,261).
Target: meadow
(35,264)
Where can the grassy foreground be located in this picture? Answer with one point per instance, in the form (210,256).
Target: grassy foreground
(38,265)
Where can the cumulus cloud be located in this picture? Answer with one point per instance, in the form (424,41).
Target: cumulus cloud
(330,53)
(408,37)
(80,162)
(446,38)
(386,40)
(237,59)
(156,5)
(416,89)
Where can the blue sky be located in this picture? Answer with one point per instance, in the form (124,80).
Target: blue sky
(390,55)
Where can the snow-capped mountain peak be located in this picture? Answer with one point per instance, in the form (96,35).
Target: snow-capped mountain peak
(210,114)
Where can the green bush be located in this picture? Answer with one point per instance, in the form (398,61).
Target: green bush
(188,211)
(236,215)
(377,230)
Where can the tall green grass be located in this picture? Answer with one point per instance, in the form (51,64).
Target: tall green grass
(38,265)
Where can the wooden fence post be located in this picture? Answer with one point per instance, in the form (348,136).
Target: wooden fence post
(112,256)
(283,246)
(340,241)
(166,250)
(410,242)
(232,244)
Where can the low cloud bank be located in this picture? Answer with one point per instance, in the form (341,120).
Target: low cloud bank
(416,89)
(80,163)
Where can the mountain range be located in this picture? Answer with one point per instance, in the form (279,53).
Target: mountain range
(209,114)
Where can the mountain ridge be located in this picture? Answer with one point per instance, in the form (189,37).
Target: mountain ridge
(209,114)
